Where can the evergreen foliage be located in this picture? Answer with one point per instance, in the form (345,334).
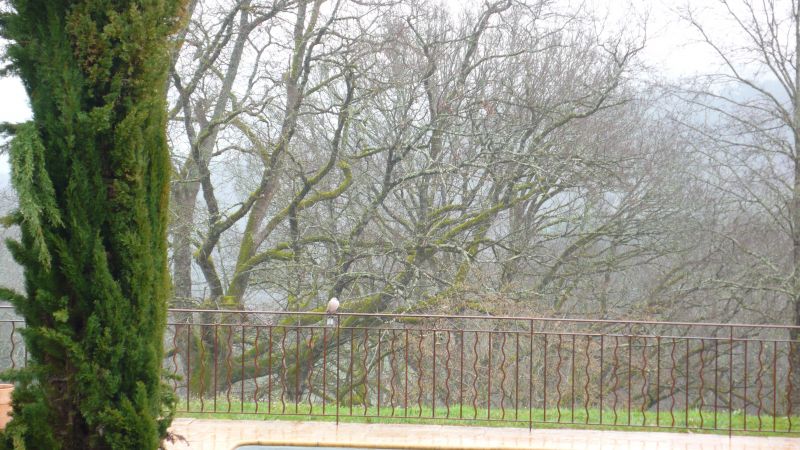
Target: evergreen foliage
(92,172)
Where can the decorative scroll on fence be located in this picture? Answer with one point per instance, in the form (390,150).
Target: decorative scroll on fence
(517,370)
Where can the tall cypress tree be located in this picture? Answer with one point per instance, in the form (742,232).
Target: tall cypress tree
(91,171)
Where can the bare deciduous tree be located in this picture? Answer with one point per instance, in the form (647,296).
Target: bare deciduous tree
(747,126)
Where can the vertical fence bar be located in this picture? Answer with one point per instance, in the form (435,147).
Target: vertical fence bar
(516,379)
(242,372)
(297,369)
(13,344)
(558,371)
(760,382)
(433,371)
(201,370)
(658,381)
(365,377)
(405,389)
(673,382)
(616,378)
(256,355)
(530,381)
(586,384)
(475,376)
(730,382)
(489,379)
(774,386)
(544,383)
(503,378)
(447,378)
(630,373)
(572,382)
(686,402)
(25,357)
(601,377)
(215,355)
(350,370)
(338,345)
(269,372)
(378,367)
(228,364)
(461,375)
(284,369)
(188,366)
(175,351)
(421,375)
(392,365)
(324,366)
(310,375)
(716,380)
(702,381)
(744,386)
(645,384)
(791,348)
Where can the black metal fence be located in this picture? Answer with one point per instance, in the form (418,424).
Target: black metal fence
(521,371)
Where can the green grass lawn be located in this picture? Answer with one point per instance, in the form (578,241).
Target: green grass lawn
(694,421)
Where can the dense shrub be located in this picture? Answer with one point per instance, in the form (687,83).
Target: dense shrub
(92,172)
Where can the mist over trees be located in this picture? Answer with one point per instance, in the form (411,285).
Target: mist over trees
(510,157)
(507,158)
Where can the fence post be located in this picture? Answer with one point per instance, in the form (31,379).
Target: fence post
(338,344)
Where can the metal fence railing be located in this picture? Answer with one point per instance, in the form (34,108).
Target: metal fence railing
(522,371)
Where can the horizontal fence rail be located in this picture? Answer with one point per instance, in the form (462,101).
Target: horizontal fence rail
(520,371)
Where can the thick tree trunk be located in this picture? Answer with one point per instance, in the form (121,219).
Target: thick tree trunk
(184,197)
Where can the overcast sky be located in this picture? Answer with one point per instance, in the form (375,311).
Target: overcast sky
(670,49)
(13,108)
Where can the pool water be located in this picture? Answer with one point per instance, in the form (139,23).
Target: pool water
(272,447)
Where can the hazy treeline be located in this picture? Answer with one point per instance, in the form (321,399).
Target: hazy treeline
(510,157)
(507,158)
